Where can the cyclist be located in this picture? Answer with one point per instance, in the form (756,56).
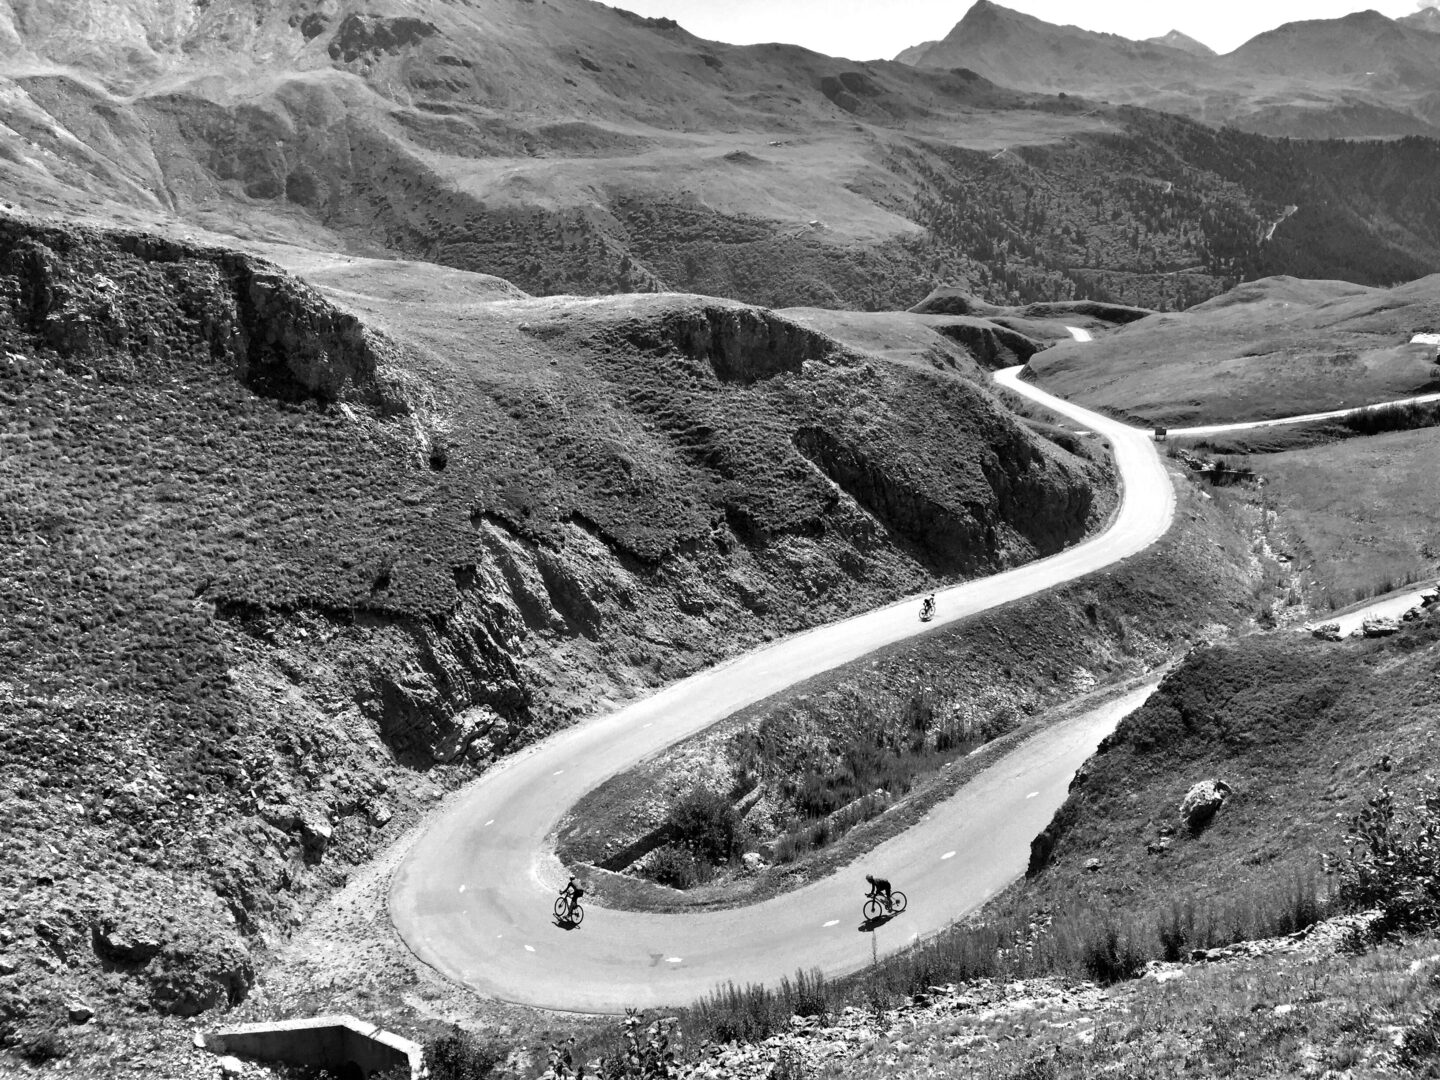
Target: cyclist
(879,890)
(927,607)
(572,894)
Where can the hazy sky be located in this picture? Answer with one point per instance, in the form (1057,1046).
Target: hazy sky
(878,29)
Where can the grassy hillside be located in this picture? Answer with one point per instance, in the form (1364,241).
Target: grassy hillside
(1302,731)
(1359,513)
(1268,348)
(274,575)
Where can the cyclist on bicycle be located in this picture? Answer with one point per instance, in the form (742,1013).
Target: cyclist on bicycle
(572,893)
(879,890)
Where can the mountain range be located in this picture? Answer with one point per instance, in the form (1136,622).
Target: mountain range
(1362,75)
(570,147)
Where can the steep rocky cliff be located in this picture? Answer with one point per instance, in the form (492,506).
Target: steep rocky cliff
(271,579)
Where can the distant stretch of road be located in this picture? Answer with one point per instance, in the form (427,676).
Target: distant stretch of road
(473,897)
(1333,414)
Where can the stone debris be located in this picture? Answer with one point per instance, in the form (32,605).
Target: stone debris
(1379,626)
(1329,631)
(815,1044)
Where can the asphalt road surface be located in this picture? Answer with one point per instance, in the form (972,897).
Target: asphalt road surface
(1333,414)
(473,897)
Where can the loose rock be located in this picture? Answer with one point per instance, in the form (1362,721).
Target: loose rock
(1202,801)
(1379,626)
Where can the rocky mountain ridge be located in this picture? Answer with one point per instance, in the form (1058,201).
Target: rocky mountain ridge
(573,148)
(1360,75)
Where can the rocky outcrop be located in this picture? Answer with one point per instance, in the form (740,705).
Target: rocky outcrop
(991,344)
(1379,626)
(742,344)
(1202,802)
(950,538)
(370,36)
(60,290)
(1329,631)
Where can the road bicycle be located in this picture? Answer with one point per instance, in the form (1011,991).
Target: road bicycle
(568,911)
(876,909)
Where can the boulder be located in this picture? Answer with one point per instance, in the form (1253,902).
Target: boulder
(754,862)
(1430,599)
(126,944)
(1379,626)
(315,834)
(79,1012)
(1329,631)
(1202,801)
(231,1066)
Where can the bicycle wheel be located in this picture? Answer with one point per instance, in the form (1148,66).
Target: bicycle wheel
(562,908)
(873,910)
(577,915)
(897,902)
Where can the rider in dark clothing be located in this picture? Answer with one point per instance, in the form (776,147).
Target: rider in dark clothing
(572,892)
(879,887)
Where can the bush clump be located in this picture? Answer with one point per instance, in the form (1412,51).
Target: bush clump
(708,825)
(461,1055)
(1392,862)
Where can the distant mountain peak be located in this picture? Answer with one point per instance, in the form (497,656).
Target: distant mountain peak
(1184,42)
(1427,19)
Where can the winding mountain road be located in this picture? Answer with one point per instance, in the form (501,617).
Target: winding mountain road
(473,897)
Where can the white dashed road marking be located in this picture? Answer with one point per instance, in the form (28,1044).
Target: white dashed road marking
(1032,794)
(529,948)
(672,960)
(490,822)
(833,922)
(947,855)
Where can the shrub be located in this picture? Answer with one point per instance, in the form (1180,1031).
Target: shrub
(461,1055)
(1111,955)
(705,822)
(1392,863)
(45,1046)
(674,866)
(644,1052)
(1419,1049)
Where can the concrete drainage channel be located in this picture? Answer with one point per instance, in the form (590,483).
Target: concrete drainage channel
(344,1045)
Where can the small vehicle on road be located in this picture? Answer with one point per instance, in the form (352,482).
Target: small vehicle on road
(877,909)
